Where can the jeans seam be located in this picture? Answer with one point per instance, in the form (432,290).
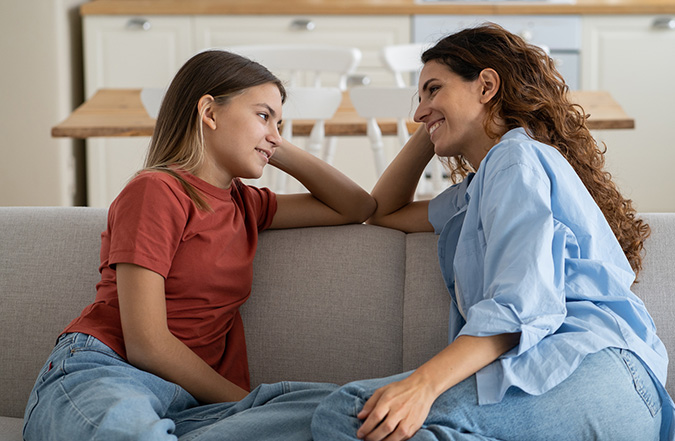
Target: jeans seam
(639,385)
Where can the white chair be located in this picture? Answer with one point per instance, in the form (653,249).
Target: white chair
(407,59)
(152,97)
(313,103)
(403,59)
(372,102)
(307,103)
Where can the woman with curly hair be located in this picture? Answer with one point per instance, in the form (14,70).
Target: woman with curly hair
(538,249)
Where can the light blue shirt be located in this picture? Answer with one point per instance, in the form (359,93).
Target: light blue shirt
(524,248)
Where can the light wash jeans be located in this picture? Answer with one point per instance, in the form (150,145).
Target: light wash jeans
(609,397)
(86,391)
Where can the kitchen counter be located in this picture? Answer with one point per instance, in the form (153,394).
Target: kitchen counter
(370,7)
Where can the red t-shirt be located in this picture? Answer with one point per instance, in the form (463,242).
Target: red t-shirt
(206,259)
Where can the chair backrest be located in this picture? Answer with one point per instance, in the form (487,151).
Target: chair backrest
(314,103)
(308,103)
(295,59)
(372,102)
(403,58)
(311,102)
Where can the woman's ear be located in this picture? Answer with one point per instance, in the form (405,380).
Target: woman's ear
(206,108)
(490,83)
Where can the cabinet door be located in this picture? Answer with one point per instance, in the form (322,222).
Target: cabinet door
(368,33)
(127,52)
(634,59)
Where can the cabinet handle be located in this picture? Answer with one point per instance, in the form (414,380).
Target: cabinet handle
(664,23)
(139,24)
(302,24)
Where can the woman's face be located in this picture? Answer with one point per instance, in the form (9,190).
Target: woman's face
(453,111)
(242,135)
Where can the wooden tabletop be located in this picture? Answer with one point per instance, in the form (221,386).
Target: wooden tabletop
(119,112)
(372,7)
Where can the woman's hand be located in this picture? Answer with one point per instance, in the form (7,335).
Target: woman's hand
(394,192)
(396,411)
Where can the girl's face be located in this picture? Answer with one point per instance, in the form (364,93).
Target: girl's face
(241,135)
(453,111)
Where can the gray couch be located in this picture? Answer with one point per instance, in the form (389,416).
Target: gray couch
(328,304)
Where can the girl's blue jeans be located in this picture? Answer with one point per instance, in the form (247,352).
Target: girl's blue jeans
(86,391)
(610,396)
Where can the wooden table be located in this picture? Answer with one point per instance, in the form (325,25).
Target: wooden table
(119,112)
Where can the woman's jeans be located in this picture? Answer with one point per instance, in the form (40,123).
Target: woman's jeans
(610,396)
(86,391)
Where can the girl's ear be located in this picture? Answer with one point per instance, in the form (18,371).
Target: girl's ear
(206,108)
(490,83)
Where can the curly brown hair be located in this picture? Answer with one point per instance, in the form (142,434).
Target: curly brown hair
(533,95)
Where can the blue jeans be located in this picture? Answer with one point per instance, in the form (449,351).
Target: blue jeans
(87,391)
(610,396)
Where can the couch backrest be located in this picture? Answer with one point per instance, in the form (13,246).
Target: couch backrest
(656,283)
(328,304)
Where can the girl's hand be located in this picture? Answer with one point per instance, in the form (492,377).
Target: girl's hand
(333,198)
(396,411)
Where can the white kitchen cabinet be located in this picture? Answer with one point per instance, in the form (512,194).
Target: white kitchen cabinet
(633,57)
(368,33)
(127,52)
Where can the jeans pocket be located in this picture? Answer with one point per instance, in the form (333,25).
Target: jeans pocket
(644,385)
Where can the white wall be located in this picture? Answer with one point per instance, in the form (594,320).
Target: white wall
(40,84)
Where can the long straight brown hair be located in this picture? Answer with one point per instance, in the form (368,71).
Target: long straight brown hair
(533,95)
(177,141)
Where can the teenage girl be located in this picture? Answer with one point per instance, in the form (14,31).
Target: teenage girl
(160,354)
(538,250)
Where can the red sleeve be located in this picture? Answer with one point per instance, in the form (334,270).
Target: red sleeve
(260,202)
(147,221)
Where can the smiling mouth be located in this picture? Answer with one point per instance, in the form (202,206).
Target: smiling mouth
(435,126)
(264,153)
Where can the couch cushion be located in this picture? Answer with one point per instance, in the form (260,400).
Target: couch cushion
(48,272)
(11,429)
(326,304)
